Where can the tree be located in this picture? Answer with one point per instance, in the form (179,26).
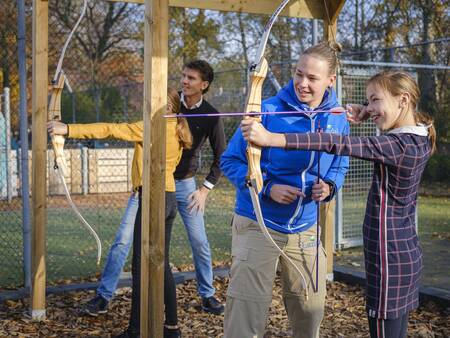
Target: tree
(192,35)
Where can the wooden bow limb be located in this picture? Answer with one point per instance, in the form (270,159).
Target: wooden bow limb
(254,105)
(54,114)
(260,218)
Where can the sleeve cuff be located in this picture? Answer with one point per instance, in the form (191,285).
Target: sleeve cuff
(208,185)
(333,189)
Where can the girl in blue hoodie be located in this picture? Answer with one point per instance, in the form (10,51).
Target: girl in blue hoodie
(288,203)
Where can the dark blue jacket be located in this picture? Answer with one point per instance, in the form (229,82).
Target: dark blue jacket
(295,168)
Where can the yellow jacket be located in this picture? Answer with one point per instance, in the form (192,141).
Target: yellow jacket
(134,132)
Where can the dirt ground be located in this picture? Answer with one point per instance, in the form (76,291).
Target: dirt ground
(344,316)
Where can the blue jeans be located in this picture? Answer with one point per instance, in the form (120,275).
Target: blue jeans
(195,227)
(119,250)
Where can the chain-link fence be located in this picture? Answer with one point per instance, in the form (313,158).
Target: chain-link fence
(104,65)
(351,201)
(11,236)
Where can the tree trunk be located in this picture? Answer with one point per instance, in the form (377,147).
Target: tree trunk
(244,46)
(427,82)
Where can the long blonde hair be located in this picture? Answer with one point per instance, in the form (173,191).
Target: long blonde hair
(183,132)
(396,83)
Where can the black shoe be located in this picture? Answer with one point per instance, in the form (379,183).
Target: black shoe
(212,305)
(128,334)
(96,306)
(172,333)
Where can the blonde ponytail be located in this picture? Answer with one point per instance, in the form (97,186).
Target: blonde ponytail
(183,131)
(427,121)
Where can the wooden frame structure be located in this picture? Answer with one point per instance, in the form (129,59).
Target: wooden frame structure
(155,89)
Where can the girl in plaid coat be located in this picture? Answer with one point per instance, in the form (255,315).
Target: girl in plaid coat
(393,256)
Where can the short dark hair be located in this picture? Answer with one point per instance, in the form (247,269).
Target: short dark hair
(205,70)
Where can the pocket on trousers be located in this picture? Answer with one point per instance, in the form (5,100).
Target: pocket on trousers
(239,247)
(241,224)
(240,254)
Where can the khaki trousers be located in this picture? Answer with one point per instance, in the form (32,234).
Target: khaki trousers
(252,275)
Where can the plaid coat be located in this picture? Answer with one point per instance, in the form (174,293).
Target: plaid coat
(393,256)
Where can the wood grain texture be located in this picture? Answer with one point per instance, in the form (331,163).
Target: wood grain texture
(298,9)
(153,196)
(39,153)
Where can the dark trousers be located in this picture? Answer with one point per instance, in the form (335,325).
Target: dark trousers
(170,296)
(388,328)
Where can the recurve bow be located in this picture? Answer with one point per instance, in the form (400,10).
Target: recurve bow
(255,182)
(54,114)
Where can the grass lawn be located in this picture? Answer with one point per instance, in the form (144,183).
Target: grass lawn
(72,251)
(434,235)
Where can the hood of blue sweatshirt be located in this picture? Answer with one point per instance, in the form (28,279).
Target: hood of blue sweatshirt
(296,168)
(288,96)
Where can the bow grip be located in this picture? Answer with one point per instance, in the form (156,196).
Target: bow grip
(253,104)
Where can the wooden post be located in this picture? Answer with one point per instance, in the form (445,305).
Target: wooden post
(330,15)
(39,164)
(327,235)
(153,196)
(329,30)
(327,210)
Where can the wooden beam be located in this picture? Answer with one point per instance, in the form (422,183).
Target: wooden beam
(156,45)
(329,31)
(331,14)
(310,9)
(335,7)
(39,155)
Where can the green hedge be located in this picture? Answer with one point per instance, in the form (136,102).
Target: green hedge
(438,169)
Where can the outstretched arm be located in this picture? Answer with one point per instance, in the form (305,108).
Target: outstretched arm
(382,149)
(131,132)
(386,149)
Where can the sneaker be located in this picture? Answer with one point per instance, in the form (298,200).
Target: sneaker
(96,306)
(212,305)
(172,332)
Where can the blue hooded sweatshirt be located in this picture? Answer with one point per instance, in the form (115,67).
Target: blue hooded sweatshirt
(296,168)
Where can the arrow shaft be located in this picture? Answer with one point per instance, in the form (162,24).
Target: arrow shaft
(305,112)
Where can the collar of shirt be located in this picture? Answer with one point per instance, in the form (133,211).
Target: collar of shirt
(198,104)
(420,130)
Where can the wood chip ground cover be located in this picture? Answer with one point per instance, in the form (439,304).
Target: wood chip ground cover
(344,316)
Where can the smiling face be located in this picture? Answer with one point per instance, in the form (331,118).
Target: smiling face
(311,79)
(192,83)
(385,109)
